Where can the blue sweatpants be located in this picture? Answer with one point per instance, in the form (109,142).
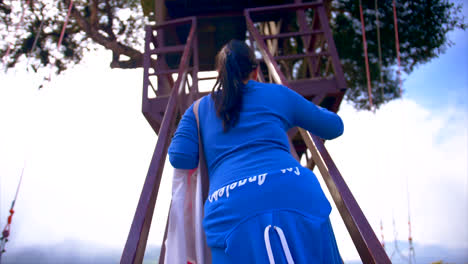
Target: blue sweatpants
(276,217)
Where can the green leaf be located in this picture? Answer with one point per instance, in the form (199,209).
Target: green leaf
(148,6)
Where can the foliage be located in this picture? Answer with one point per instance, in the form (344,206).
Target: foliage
(118,26)
(422,28)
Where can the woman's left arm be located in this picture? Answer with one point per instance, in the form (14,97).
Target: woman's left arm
(183,151)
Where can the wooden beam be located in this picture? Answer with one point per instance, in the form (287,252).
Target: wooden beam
(293,34)
(313,87)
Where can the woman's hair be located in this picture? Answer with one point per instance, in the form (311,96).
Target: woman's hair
(234,62)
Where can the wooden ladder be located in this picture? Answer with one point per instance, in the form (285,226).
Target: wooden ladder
(323,84)
(161,112)
(324,79)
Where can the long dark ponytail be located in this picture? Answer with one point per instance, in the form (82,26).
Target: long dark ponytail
(234,62)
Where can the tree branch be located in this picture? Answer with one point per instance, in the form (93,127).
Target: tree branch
(128,64)
(136,57)
(110,21)
(94,12)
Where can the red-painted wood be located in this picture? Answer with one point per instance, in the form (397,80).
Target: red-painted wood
(136,242)
(171,99)
(293,34)
(361,232)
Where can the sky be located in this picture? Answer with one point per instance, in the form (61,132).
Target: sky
(85,148)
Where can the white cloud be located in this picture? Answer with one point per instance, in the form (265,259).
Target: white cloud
(403,145)
(87,149)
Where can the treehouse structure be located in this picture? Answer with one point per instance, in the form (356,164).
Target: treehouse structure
(294,46)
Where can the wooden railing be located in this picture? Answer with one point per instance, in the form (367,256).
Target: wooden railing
(162,111)
(155,46)
(364,238)
(136,242)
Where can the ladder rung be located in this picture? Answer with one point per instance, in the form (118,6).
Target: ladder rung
(168,49)
(207,78)
(174,22)
(314,86)
(171,71)
(301,56)
(292,34)
(283,8)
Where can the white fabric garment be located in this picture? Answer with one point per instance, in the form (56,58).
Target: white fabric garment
(186,242)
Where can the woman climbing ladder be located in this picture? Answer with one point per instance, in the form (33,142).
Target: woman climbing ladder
(263,206)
